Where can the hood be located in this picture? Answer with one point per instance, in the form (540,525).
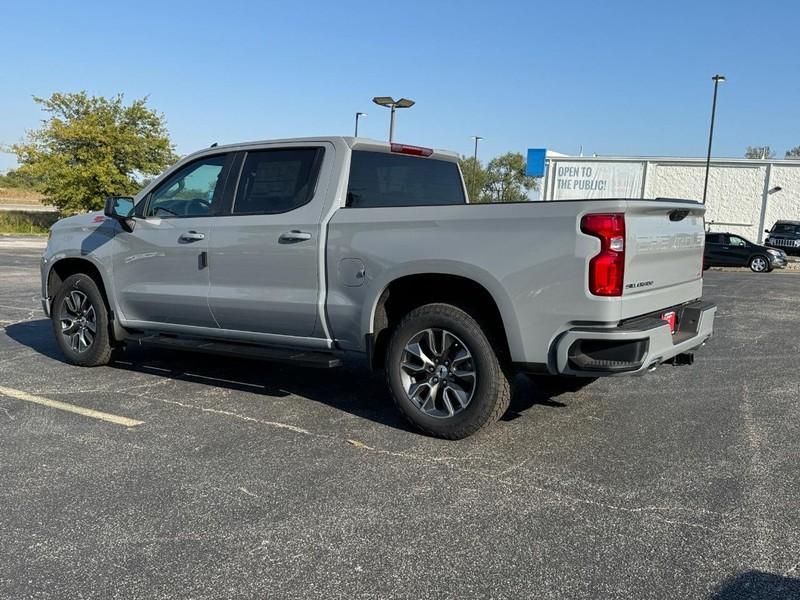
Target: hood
(92,219)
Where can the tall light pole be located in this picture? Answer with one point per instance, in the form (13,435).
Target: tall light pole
(393,104)
(358,114)
(477,138)
(717,79)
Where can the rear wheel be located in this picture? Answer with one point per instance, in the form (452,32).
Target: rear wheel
(80,322)
(759,264)
(444,374)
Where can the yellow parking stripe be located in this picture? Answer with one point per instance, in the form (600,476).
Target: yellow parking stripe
(80,410)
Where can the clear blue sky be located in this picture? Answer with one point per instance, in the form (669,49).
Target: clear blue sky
(628,77)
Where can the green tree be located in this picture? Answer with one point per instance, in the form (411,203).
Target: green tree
(506,180)
(759,152)
(474,178)
(793,152)
(91,147)
(15,179)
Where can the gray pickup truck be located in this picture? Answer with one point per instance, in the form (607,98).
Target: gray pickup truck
(309,249)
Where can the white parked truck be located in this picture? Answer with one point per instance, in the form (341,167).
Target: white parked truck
(308,249)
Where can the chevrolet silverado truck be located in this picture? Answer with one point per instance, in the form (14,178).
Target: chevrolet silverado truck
(307,250)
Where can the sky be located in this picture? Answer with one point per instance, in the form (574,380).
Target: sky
(612,77)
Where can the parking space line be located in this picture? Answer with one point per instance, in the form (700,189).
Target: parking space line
(80,410)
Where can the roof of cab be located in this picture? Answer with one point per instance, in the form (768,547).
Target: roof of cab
(352,142)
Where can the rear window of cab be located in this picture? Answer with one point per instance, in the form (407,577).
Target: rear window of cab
(380,179)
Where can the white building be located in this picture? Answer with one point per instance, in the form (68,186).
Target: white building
(744,196)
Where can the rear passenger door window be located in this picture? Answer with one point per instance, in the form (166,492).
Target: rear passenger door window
(276,181)
(383,179)
(736,241)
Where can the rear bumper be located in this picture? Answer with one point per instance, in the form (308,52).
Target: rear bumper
(632,347)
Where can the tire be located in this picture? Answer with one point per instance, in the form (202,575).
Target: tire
(759,264)
(78,307)
(463,403)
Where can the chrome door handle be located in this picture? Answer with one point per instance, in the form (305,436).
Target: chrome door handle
(294,236)
(192,236)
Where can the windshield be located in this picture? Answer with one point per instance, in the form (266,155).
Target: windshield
(786,228)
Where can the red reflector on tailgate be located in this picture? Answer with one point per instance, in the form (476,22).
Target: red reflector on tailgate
(671,318)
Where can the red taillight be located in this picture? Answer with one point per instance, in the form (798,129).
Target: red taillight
(607,269)
(412,150)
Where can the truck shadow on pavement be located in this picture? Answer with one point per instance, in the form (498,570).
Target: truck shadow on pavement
(351,388)
(758,585)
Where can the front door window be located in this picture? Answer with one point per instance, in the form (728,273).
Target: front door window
(193,191)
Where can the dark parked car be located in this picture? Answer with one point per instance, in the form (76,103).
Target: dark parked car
(784,235)
(731,250)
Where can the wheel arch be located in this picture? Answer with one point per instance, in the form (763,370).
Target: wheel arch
(64,267)
(404,293)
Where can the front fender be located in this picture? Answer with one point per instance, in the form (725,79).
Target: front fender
(79,240)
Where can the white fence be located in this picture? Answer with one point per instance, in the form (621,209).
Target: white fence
(741,192)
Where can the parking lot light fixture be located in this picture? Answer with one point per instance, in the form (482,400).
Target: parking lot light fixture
(392,104)
(477,138)
(358,114)
(717,79)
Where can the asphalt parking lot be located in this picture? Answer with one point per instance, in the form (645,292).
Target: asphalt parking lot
(241,479)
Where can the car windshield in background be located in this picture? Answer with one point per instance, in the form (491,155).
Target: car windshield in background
(790,228)
(383,179)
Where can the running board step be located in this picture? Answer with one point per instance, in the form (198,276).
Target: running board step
(305,358)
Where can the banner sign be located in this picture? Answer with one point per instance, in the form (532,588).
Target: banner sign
(575,180)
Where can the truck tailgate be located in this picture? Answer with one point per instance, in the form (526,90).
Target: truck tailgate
(663,255)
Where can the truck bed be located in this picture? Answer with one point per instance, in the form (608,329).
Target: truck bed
(531,257)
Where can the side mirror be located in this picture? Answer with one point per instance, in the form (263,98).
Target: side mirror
(767,231)
(120,208)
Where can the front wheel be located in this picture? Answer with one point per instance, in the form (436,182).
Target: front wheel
(80,322)
(444,374)
(759,264)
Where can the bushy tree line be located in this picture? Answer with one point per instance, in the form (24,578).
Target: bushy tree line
(764,152)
